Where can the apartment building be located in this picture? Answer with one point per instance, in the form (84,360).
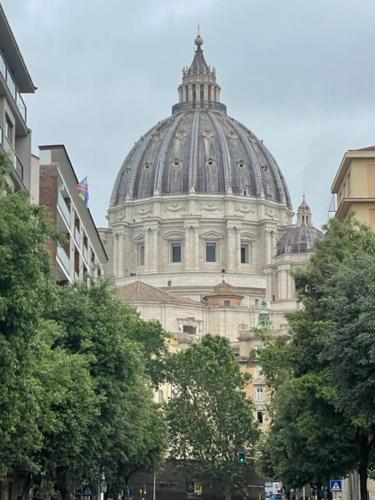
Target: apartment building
(15,135)
(354,185)
(82,254)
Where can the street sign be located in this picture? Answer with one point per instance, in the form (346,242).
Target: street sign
(276,487)
(335,485)
(88,490)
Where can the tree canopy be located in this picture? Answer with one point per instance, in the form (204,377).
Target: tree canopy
(331,346)
(210,419)
(76,367)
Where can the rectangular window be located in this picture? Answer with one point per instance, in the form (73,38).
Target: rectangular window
(141,255)
(370,181)
(9,127)
(161,396)
(259,394)
(226,303)
(210,252)
(189,329)
(260,417)
(372,218)
(176,252)
(245,254)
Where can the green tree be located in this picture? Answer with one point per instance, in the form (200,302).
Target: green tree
(26,283)
(210,420)
(70,410)
(308,442)
(98,326)
(332,340)
(75,368)
(350,350)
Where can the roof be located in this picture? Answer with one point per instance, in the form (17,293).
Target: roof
(13,56)
(300,239)
(368,148)
(141,292)
(366,152)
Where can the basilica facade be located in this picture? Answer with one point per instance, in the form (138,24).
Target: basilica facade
(201,234)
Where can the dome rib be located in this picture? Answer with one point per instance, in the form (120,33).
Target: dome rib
(193,163)
(252,157)
(224,153)
(147,138)
(275,173)
(161,161)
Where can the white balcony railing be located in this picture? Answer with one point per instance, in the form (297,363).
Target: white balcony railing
(64,259)
(8,148)
(85,254)
(77,236)
(7,75)
(63,208)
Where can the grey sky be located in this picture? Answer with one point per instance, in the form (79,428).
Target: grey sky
(299,73)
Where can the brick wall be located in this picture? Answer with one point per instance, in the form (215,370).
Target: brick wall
(48,198)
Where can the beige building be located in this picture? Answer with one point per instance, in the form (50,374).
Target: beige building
(201,234)
(354,185)
(354,189)
(15,135)
(82,256)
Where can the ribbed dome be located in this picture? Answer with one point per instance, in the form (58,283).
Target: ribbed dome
(199,149)
(300,239)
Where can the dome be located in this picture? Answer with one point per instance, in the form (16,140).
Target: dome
(300,239)
(199,149)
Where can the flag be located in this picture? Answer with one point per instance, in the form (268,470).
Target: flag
(83,191)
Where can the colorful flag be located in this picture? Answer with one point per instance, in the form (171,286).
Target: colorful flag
(83,191)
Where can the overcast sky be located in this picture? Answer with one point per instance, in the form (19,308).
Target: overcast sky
(300,74)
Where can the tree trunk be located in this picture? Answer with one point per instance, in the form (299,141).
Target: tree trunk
(228,493)
(364,448)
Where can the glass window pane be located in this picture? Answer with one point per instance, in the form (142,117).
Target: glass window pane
(244,254)
(176,253)
(141,255)
(211,252)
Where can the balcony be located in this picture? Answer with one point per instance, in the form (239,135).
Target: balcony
(12,87)
(64,260)
(77,236)
(7,147)
(85,253)
(64,209)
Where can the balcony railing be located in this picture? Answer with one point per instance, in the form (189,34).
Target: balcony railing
(85,253)
(19,167)
(64,259)
(8,148)
(7,75)
(77,236)
(64,208)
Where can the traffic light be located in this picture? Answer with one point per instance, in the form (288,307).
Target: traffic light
(242,457)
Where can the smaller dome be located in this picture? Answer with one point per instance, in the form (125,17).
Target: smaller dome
(300,239)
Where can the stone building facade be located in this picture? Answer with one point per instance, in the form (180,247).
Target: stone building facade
(201,234)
